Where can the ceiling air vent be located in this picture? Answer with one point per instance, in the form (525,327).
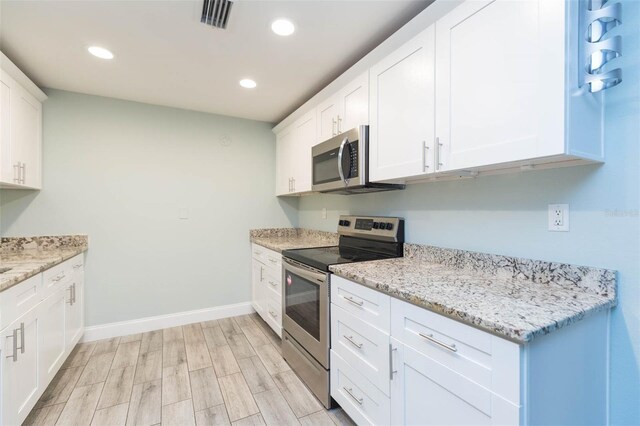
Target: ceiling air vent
(216,13)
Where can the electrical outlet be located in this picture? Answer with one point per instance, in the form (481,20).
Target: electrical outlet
(324,213)
(559,217)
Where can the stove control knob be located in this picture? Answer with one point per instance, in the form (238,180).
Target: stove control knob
(389,226)
(346,223)
(376,225)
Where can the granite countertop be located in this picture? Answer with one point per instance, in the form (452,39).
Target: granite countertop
(29,256)
(279,239)
(517,299)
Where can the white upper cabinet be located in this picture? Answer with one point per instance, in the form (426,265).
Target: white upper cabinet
(345,110)
(284,161)
(293,156)
(402,114)
(20,129)
(327,118)
(505,92)
(304,135)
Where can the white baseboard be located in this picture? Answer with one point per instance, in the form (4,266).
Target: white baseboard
(141,325)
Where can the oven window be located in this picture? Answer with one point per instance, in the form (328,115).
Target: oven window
(302,303)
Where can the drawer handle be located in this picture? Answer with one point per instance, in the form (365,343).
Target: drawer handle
(350,299)
(273,314)
(272,283)
(429,337)
(350,392)
(273,260)
(77,266)
(58,277)
(353,342)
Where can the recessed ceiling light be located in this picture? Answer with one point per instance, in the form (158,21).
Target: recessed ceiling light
(283,27)
(100,52)
(247,83)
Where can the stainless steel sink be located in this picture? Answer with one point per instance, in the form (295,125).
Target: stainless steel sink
(3,270)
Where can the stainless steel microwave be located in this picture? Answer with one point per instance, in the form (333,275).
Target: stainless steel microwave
(340,165)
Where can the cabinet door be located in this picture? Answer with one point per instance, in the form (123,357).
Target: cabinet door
(20,387)
(75,313)
(354,104)
(284,155)
(7,170)
(52,333)
(327,118)
(425,392)
(500,82)
(304,138)
(257,287)
(26,135)
(402,114)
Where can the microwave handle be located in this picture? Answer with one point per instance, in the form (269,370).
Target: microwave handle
(340,153)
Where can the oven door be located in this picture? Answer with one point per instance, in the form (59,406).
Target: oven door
(305,305)
(340,161)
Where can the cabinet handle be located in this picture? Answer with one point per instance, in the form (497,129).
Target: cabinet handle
(429,337)
(350,392)
(333,127)
(16,173)
(79,265)
(438,149)
(353,342)
(21,338)
(272,283)
(74,293)
(294,184)
(350,299)
(70,301)
(391,370)
(339,122)
(58,277)
(261,270)
(425,156)
(14,336)
(273,260)
(23,173)
(273,314)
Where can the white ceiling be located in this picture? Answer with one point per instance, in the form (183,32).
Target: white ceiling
(165,56)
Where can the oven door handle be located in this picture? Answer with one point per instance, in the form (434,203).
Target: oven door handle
(310,275)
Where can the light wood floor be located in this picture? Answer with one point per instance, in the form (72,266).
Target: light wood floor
(228,371)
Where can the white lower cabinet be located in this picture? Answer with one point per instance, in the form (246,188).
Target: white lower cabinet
(20,373)
(425,392)
(36,342)
(266,286)
(396,363)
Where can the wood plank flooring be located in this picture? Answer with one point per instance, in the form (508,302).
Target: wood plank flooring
(222,372)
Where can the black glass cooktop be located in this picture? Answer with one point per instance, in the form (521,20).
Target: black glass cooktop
(322,257)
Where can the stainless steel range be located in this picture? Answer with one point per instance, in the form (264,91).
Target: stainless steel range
(306,295)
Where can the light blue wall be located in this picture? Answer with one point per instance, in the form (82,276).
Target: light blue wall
(120,171)
(508,215)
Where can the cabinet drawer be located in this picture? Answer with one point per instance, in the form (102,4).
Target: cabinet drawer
(18,299)
(77,263)
(273,312)
(273,260)
(369,305)
(485,359)
(358,397)
(273,282)
(54,278)
(363,346)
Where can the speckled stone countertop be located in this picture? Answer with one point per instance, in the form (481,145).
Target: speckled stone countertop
(518,299)
(279,239)
(28,256)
